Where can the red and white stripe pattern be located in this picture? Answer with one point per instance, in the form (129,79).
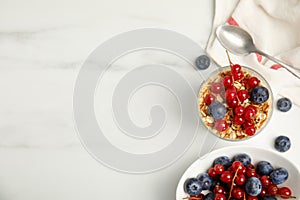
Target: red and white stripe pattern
(233,22)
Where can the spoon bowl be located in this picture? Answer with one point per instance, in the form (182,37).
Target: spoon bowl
(235,40)
(239,42)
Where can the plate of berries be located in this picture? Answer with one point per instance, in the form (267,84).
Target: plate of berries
(235,102)
(240,173)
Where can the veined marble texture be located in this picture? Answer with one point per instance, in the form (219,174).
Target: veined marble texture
(42,47)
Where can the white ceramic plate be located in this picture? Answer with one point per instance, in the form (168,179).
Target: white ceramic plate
(257,154)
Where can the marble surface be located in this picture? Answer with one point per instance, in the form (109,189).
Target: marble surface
(42,47)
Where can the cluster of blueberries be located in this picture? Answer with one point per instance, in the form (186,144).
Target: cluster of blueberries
(253,185)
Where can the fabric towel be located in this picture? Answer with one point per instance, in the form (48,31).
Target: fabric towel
(275,28)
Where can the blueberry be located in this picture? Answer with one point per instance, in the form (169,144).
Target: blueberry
(217,110)
(284,104)
(259,94)
(202,62)
(268,198)
(205,180)
(192,186)
(282,143)
(253,186)
(279,175)
(223,160)
(264,168)
(209,196)
(243,158)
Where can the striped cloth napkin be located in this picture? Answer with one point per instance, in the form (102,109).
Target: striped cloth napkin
(275,28)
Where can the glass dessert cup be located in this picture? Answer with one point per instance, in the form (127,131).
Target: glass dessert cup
(235,127)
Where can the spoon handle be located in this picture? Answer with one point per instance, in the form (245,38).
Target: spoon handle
(289,68)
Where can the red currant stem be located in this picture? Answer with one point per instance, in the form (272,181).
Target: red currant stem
(244,196)
(286,196)
(232,183)
(229,58)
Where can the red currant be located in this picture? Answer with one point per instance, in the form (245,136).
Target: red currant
(236,68)
(250,130)
(228,81)
(285,192)
(239,120)
(238,193)
(251,173)
(253,108)
(226,177)
(249,113)
(238,75)
(220,125)
(209,98)
(263,192)
(230,95)
(240,179)
(248,123)
(219,189)
(265,181)
(232,104)
(272,189)
(250,166)
(219,169)
(238,166)
(252,198)
(253,82)
(242,95)
(212,173)
(239,110)
(216,87)
(220,197)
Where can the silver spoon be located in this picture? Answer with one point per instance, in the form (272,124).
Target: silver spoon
(240,42)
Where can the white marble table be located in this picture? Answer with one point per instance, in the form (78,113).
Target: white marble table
(42,47)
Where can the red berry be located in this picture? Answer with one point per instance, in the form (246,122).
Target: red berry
(250,130)
(239,120)
(242,95)
(250,166)
(220,197)
(230,95)
(272,189)
(219,189)
(232,104)
(252,198)
(240,179)
(251,173)
(212,173)
(216,87)
(239,110)
(220,125)
(237,165)
(248,123)
(263,192)
(253,108)
(249,113)
(285,192)
(209,98)
(219,169)
(226,177)
(253,82)
(228,81)
(238,193)
(236,68)
(238,75)
(265,181)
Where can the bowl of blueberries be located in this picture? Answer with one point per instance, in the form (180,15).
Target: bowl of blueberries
(240,172)
(235,103)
